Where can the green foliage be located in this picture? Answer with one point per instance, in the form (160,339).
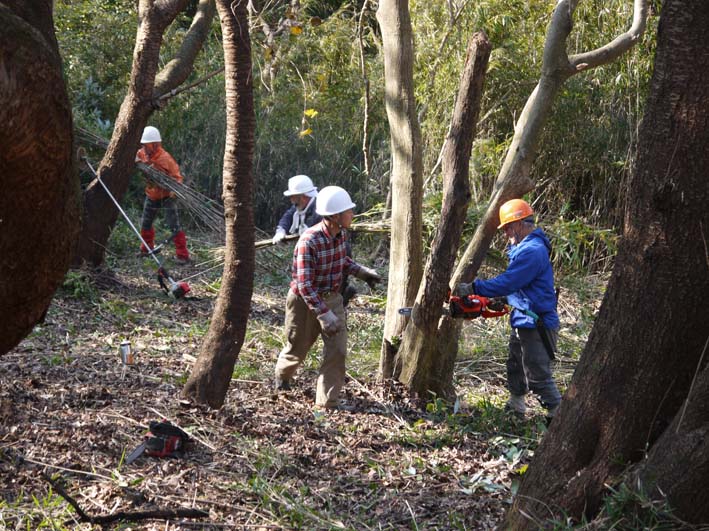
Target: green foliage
(79,284)
(579,246)
(96,40)
(626,509)
(309,104)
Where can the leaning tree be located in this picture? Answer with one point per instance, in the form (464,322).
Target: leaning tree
(639,395)
(39,204)
(212,371)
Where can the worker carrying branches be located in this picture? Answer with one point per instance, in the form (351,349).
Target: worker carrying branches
(157,198)
(314,303)
(528,284)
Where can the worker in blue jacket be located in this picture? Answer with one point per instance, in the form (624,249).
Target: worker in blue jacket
(528,284)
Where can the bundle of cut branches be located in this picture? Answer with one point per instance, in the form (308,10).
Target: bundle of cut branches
(204,211)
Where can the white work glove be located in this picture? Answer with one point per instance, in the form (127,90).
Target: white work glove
(279,236)
(370,276)
(330,323)
(463,289)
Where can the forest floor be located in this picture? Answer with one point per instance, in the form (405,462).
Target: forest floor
(70,412)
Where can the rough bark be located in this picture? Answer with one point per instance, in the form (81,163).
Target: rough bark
(418,354)
(405,254)
(212,371)
(39,204)
(635,373)
(678,463)
(140,102)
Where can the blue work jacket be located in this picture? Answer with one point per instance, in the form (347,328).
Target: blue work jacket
(528,282)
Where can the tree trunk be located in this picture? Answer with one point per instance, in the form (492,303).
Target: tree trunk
(140,102)
(212,371)
(649,338)
(677,465)
(39,204)
(419,354)
(405,254)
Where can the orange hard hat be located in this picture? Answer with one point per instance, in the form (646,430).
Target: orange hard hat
(514,210)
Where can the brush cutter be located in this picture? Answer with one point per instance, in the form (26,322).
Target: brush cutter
(174,289)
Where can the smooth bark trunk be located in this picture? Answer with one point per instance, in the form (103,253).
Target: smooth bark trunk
(405,254)
(649,339)
(211,374)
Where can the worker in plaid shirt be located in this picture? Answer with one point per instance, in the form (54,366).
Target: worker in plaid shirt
(314,303)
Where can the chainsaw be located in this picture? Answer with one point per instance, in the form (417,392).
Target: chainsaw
(470,307)
(163,439)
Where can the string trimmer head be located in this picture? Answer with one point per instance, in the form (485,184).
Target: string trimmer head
(176,290)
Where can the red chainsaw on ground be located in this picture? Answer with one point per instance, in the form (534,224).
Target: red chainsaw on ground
(470,307)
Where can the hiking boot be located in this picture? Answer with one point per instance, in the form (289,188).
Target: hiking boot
(282,385)
(516,404)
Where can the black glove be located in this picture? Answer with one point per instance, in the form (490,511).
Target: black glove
(464,289)
(497,304)
(370,276)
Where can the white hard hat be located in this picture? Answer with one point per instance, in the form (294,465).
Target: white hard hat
(333,200)
(300,184)
(150,134)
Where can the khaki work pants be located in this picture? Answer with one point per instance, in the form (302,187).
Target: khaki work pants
(302,330)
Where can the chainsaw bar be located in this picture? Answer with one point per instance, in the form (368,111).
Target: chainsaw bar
(406,312)
(135,454)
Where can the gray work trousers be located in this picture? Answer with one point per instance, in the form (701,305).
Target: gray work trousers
(529,366)
(302,330)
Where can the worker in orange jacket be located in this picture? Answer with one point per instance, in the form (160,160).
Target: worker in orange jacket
(156,198)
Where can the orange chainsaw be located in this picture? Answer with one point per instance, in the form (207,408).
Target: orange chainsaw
(470,307)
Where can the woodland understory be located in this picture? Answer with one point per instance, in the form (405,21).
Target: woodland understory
(70,409)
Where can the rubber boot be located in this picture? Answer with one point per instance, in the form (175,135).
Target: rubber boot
(148,236)
(181,252)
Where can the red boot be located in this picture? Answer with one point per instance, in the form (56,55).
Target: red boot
(181,252)
(149,238)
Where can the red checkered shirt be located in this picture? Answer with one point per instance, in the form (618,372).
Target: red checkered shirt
(319,260)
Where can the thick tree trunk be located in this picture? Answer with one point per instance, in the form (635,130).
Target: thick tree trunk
(677,466)
(419,355)
(636,370)
(140,102)
(40,200)
(405,255)
(212,371)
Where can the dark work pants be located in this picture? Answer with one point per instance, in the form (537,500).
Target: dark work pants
(529,366)
(169,208)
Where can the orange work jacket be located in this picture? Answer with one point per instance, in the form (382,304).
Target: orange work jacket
(163,161)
